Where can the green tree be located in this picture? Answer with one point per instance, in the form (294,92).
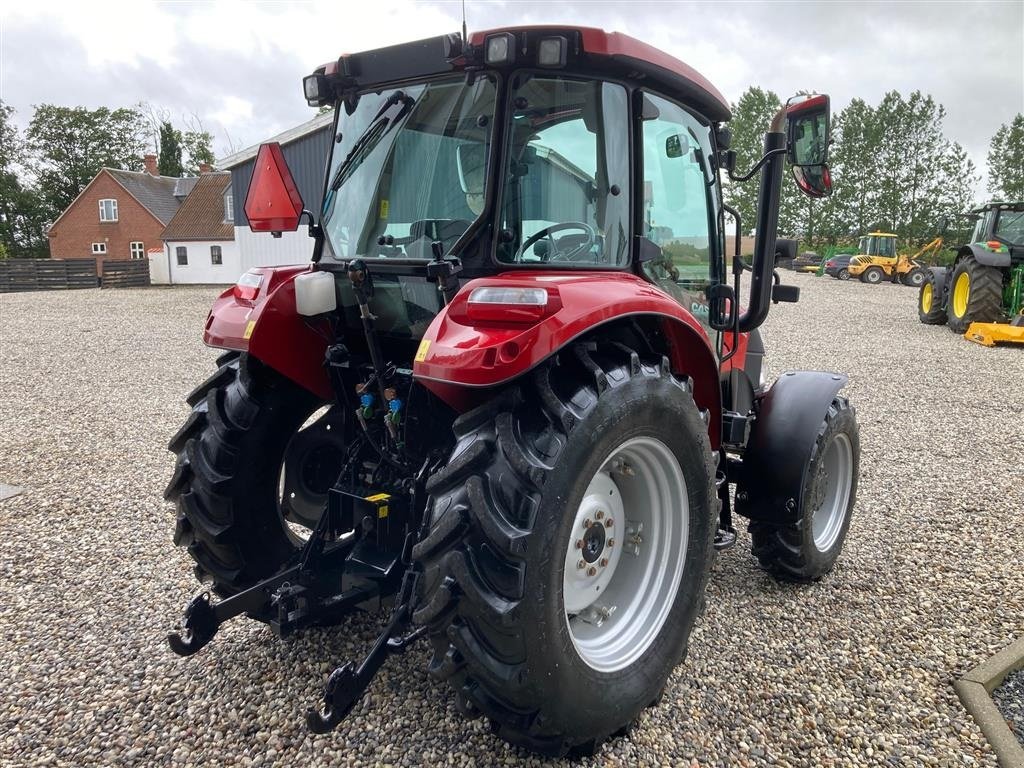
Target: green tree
(1006,161)
(198,146)
(23,213)
(69,145)
(752,115)
(169,162)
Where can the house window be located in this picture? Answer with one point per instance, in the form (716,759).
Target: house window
(182,253)
(108,210)
(229,205)
(98,249)
(138,250)
(215,258)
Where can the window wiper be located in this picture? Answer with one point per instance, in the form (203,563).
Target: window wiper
(377,129)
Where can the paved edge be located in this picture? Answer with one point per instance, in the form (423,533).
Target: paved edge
(975,690)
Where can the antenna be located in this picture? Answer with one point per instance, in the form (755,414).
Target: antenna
(465,38)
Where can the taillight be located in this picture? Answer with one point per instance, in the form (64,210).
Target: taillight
(510,304)
(248,286)
(830,263)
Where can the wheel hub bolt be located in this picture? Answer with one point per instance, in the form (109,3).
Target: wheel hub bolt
(579,543)
(587,523)
(581,564)
(591,571)
(608,523)
(611,543)
(604,562)
(600,514)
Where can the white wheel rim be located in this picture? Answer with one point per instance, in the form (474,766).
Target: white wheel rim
(617,603)
(835,481)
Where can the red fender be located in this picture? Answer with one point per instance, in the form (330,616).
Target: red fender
(264,323)
(460,353)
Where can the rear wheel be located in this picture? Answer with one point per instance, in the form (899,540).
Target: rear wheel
(807,549)
(914,277)
(843,274)
(930,308)
(569,547)
(975,295)
(872,275)
(252,474)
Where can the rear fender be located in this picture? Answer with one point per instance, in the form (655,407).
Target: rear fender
(990,257)
(773,472)
(460,359)
(269,328)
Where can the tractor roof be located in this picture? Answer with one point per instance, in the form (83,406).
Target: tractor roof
(1004,205)
(608,53)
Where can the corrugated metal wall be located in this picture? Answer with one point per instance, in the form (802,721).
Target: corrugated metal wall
(306,157)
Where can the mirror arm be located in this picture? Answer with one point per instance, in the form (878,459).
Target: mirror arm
(768,198)
(748,176)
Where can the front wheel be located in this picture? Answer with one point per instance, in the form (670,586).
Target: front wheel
(930,307)
(914,278)
(806,549)
(872,275)
(569,547)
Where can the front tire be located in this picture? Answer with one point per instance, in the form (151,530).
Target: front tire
(872,275)
(234,459)
(505,600)
(930,308)
(914,278)
(806,549)
(975,295)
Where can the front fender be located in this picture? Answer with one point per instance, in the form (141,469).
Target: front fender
(458,355)
(773,473)
(268,327)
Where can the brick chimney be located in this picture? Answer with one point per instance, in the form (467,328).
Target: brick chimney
(150,163)
(205,168)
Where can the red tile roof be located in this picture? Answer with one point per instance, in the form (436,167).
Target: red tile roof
(201,215)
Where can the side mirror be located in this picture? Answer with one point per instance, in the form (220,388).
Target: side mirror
(273,203)
(677,145)
(785,249)
(807,138)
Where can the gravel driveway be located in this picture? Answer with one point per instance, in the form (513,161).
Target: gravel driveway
(855,670)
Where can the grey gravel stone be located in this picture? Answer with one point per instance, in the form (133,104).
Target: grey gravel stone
(1009,699)
(855,670)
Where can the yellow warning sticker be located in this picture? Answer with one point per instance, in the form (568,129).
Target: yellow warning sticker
(385,206)
(421,353)
(378,497)
(248,329)
(382,511)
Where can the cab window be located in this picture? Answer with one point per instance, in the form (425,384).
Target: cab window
(679,206)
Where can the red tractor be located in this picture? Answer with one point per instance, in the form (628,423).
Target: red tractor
(515,396)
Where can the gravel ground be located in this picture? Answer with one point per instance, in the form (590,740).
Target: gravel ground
(856,670)
(1009,699)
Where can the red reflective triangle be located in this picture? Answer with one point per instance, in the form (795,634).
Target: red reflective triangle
(273,203)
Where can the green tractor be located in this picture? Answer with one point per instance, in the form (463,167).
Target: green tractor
(981,295)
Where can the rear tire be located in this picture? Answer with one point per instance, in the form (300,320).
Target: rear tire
(227,481)
(930,307)
(499,561)
(807,549)
(872,275)
(975,295)
(844,274)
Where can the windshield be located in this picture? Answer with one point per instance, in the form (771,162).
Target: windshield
(409,170)
(566,187)
(1010,227)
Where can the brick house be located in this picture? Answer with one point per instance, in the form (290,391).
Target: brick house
(119,215)
(199,242)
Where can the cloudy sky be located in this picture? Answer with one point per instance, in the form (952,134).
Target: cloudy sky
(237,66)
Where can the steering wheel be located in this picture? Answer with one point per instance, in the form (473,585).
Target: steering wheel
(547,232)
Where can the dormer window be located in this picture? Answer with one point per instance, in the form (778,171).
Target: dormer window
(108,210)
(229,205)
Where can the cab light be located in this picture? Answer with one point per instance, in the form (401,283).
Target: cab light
(315,88)
(248,286)
(500,49)
(551,52)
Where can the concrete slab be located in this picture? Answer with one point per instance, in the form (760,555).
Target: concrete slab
(9,491)
(975,690)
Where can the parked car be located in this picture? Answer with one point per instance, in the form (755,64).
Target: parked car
(838,266)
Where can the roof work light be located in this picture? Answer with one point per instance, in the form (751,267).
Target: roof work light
(551,52)
(500,49)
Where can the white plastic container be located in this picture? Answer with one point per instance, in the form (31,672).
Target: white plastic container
(314,293)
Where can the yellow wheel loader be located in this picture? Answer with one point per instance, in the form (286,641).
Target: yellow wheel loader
(877,260)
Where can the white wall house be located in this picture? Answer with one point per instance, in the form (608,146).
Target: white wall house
(199,242)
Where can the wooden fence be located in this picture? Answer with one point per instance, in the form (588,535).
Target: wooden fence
(46,274)
(125,274)
(63,274)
